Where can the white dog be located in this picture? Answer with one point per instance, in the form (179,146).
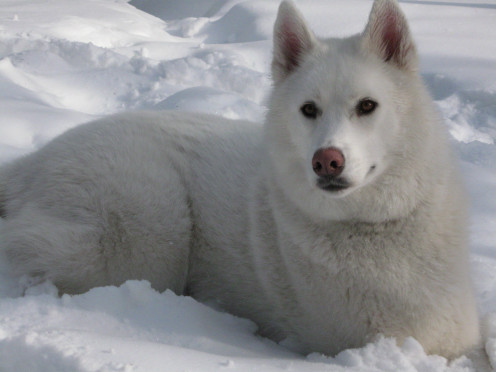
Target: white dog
(339,219)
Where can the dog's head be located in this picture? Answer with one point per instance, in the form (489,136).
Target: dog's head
(338,105)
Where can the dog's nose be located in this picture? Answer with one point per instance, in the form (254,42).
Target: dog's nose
(328,162)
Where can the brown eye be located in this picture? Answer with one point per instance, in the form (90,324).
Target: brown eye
(366,106)
(310,110)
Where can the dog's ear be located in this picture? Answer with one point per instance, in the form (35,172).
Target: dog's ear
(387,34)
(292,40)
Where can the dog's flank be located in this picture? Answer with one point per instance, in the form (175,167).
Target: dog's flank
(343,217)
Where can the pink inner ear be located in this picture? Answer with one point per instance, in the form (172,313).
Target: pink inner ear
(390,33)
(391,37)
(292,45)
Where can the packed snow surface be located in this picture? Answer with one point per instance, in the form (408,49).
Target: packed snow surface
(63,63)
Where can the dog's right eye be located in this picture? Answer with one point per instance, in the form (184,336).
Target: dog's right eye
(310,110)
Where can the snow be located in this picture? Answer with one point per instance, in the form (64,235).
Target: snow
(66,62)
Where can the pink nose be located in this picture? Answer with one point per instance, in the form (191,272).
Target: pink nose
(328,162)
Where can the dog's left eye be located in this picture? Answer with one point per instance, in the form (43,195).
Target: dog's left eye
(310,110)
(366,106)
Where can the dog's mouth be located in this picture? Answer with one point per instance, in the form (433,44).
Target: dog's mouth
(332,184)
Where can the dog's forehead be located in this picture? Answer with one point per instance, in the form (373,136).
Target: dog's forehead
(339,68)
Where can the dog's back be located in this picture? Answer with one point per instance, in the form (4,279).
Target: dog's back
(121,198)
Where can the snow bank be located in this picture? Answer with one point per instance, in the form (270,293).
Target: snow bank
(134,328)
(66,62)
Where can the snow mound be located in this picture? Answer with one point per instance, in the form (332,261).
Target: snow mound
(134,327)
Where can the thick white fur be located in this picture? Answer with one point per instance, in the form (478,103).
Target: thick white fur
(229,211)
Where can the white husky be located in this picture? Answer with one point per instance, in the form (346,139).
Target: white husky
(341,218)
